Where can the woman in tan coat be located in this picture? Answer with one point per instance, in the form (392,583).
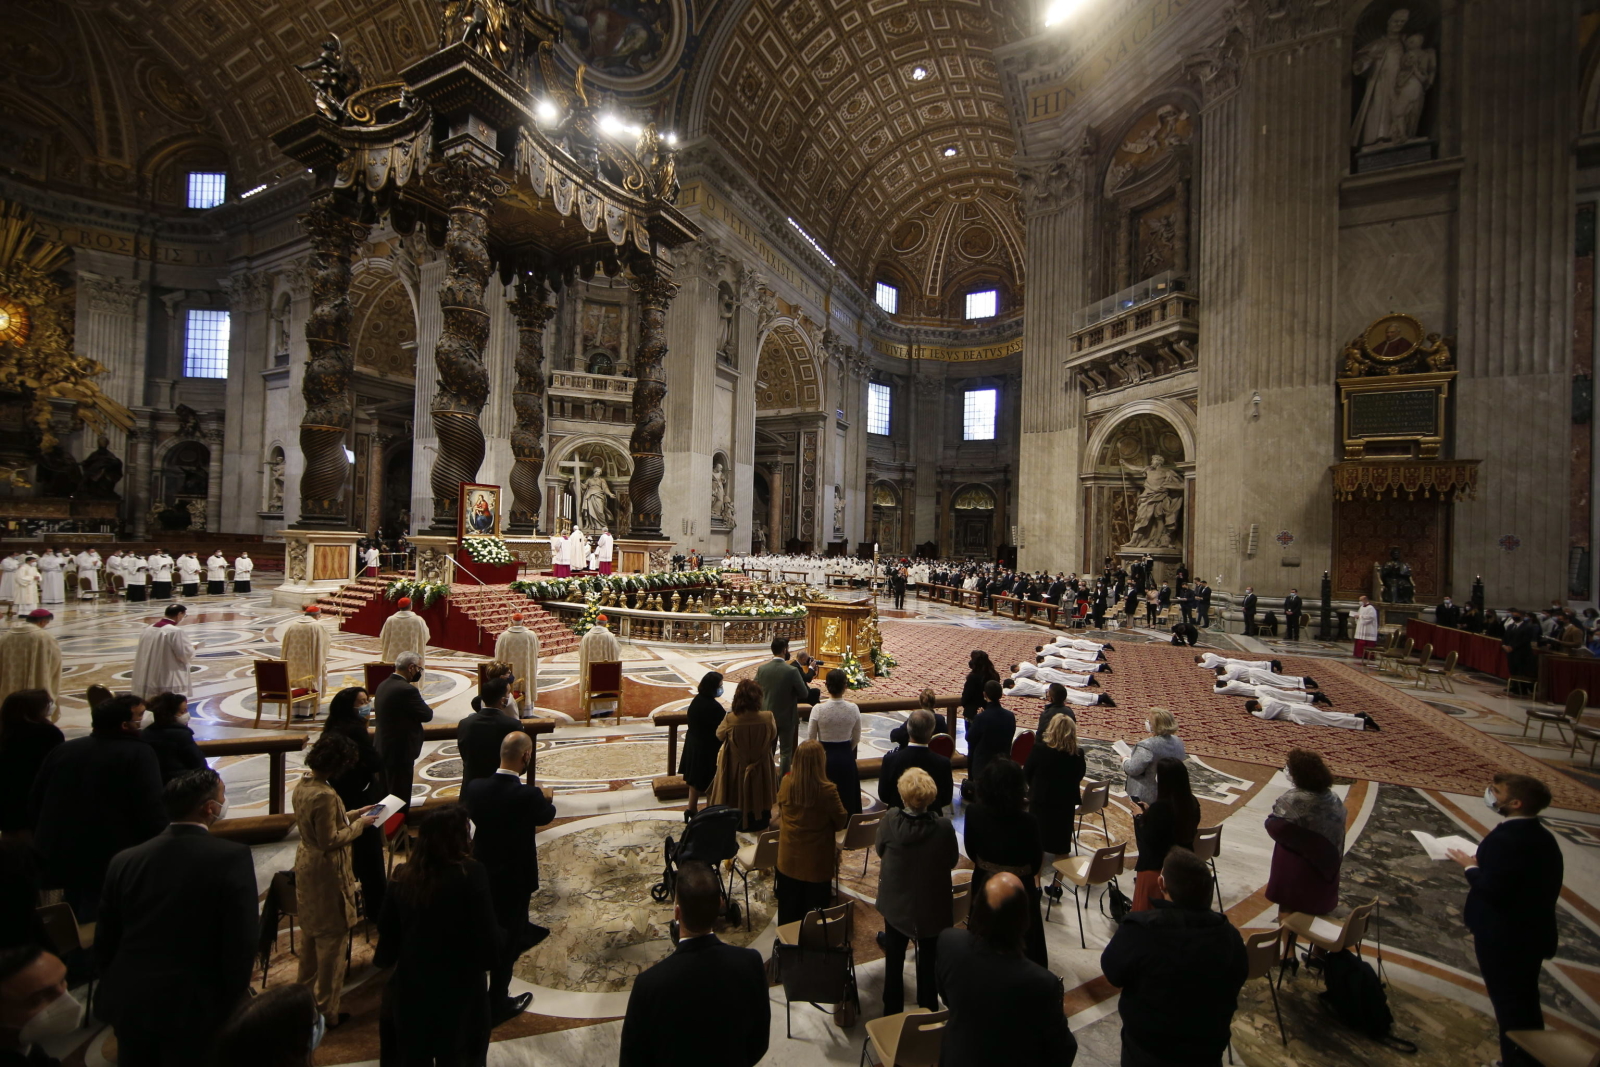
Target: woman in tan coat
(324,883)
(747,779)
(810,813)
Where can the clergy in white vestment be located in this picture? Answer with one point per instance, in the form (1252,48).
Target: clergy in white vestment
(138,571)
(603,550)
(370,560)
(25,590)
(160,565)
(404,631)
(161,662)
(89,565)
(8,575)
(53,589)
(599,645)
(1366,627)
(216,573)
(1305,714)
(241,572)
(519,646)
(30,657)
(558,556)
(1260,677)
(113,566)
(305,648)
(1066,678)
(189,574)
(577,548)
(1211,661)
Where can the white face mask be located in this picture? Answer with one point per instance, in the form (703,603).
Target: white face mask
(58,1018)
(222,812)
(319,1030)
(182,718)
(1148,728)
(147,719)
(1491,801)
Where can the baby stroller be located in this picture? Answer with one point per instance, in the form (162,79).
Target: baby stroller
(711,837)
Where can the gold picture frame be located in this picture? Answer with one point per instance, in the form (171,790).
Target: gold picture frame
(1393,338)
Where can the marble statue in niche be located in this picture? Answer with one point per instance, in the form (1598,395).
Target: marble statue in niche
(1395,574)
(721,500)
(1399,71)
(1160,503)
(102,470)
(838,511)
(596,502)
(727,307)
(275,482)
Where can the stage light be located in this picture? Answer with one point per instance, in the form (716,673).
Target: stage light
(547,112)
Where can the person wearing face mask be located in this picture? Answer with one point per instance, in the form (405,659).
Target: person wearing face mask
(1140,767)
(168,733)
(701,744)
(34,1006)
(278,1028)
(508,814)
(94,797)
(479,735)
(348,715)
(178,913)
(399,712)
(1515,881)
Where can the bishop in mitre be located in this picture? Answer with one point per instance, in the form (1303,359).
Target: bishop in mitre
(404,631)
(599,645)
(519,646)
(30,657)
(161,662)
(305,648)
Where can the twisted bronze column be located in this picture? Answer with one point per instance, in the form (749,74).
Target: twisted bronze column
(335,236)
(468,187)
(533,308)
(656,291)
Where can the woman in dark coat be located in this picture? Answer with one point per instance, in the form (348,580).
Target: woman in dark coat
(26,737)
(359,786)
(1055,771)
(1307,829)
(1169,822)
(171,737)
(979,670)
(1002,836)
(701,744)
(438,932)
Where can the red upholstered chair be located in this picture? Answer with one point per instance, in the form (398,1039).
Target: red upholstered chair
(943,744)
(604,683)
(373,675)
(274,687)
(1021,747)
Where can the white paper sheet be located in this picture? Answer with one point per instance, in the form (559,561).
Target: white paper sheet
(1121,748)
(386,808)
(1438,848)
(1326,930)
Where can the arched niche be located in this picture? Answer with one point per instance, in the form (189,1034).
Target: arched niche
(786,372)
(383,322)
(1143,210)
(888,519)
(1138,482)
(570,486)
(972,513)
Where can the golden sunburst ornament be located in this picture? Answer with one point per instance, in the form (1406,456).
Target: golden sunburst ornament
(13,321)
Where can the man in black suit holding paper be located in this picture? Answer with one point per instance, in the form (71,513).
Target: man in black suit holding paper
(920,725)
(1515,881)
(508,814)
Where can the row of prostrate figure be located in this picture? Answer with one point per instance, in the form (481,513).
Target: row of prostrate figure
(28,579)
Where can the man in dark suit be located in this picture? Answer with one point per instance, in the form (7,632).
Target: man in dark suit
(1515,881)
(1202,595)
(989,732)
(400,711)
(1180,967)
(1292,607)
(808,674)
(702,973)
(1520,643)
(34,1005)
(95,796)
(916,753)
(1004,1008)
(508,814)
(480,733)
(1249,608)
(178,913)
(782,689)
(1447,614)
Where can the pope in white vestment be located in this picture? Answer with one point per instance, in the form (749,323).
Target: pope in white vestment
(519,646)
(404,631)
(577,549)
(305,648)
(25,588)
(54,587)
(161,663)
(30,659)
(8,576)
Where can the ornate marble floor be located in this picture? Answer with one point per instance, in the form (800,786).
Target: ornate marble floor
(604,853)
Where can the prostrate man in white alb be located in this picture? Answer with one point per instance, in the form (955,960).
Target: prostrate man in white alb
(216,573)
(1306,715)
(519,646)
(1032,687)
(161,662)
(189,574)
(1051,674)
(30,657)
(241,572)
(1075,644)
(1082,666)
(404,631)
(1211,661)
(1259,677)
(1246,689)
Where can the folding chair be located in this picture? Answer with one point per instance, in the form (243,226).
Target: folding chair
(1092,800)
(816,961)
(373,675)
(1262,952)
(943,744)
(960,896)
(273,686)
(1413,668)
(1553,1048)
(66,933)
(1586,731)
(909,1039)
(1351,929)
(1444,676)
(1086,872)
(1390,659)
(604,683)
(761,856)
(861,833)
(1558,717)
(1021,747)
(1207,844)
(86,589)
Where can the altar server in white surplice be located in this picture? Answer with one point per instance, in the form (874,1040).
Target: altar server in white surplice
(558,555)
(404,631)
(241,572)
(161,663)
(305,648)
(599,645)
(8,575)
(603,550)
(189,573)
(216,573)
(519,646)
(89,565)
(160,565)
(54,587)
(30,657)
(25,588)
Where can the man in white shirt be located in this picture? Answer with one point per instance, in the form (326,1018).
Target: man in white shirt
(241,572)
(160,575)
(216,573)
(371,557)
(1306,715)
(161,662)
(137,571)
(1366,628)
(189,574)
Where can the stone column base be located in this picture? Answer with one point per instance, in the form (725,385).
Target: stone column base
(316,563)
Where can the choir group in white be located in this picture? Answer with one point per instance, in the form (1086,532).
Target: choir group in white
(28,580)
(817,570)
(574,553)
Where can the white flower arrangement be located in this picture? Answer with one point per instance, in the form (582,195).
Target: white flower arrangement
(489,550)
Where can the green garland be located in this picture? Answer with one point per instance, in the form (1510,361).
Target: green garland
(764,610)
(572,588)
(425,594)
(489,550)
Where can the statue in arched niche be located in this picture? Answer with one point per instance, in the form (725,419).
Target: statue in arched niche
(1160,504)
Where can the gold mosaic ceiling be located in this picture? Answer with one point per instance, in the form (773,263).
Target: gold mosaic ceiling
(823,102)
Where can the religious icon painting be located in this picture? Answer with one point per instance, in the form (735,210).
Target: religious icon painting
(480,510)
(1393,338)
